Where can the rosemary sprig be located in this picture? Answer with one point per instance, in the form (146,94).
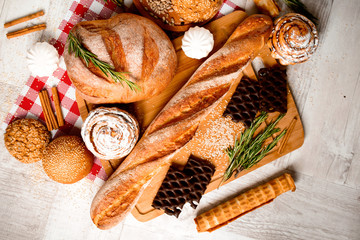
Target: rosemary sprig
(299,7)
(120,3)
(76,47)
(249,149)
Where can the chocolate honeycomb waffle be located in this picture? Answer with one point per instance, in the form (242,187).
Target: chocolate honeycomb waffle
(184,186)
(244,103)
(273,90)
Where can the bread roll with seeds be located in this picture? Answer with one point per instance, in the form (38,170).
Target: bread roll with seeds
(178,121)
(179,15)
(67,160)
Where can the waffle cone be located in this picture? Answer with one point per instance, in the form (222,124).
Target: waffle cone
(244,203)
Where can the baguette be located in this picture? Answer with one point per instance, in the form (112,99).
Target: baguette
(178,121)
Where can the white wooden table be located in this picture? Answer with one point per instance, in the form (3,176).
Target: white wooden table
(326,169)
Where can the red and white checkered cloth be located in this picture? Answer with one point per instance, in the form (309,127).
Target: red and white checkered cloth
(28,103)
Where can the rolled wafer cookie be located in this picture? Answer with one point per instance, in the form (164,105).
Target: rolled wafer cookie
(246,202)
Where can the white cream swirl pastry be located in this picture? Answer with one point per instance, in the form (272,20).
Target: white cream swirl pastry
(42,59)
(197,42)
(110,133)
(294,39)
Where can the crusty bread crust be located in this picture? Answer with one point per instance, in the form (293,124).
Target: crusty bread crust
(130,43)
(177,123)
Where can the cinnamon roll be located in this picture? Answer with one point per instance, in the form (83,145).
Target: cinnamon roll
(294,39)
(110,133)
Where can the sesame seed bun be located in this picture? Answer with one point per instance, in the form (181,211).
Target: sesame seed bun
(67,160)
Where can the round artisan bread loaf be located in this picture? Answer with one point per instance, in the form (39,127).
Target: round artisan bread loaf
(67,160)
(132,44)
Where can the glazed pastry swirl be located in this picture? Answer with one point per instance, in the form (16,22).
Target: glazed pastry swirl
(293,40)
(110,133)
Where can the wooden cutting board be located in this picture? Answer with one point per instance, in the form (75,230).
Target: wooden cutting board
(215,133)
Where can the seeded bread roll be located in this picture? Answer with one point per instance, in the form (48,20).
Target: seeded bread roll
(178,15)
(67,160)
(178,121)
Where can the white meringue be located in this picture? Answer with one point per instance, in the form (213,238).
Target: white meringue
(43,59)
(197,42)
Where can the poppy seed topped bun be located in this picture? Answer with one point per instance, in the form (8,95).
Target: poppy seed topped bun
(67,160)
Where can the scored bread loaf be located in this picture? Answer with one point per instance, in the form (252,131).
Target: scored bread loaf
(131,44)
(178,121)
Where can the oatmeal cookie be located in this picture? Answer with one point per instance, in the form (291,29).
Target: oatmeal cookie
(25,139)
